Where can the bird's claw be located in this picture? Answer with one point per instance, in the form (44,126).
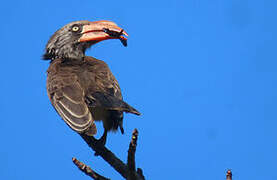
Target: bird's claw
(100,143)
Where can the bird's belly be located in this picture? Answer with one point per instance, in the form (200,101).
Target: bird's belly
(99,114)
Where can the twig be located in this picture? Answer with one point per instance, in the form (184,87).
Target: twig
(106,154)
(140,173)
(131,156)
(124,170)
(87,170)
(229,175)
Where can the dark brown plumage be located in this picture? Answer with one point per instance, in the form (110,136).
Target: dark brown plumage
(83,89)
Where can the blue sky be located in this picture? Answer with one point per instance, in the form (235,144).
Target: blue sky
(202,73)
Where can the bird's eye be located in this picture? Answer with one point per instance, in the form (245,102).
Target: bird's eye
(75,28)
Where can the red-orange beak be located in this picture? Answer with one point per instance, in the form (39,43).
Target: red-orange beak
(102,30)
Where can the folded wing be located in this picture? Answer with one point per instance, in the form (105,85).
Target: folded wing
(70,104)
(104,90)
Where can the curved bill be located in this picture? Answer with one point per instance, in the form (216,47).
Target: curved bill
(102,30)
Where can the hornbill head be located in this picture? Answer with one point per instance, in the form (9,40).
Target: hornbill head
(72,40)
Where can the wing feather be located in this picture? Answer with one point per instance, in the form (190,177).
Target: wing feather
(104,91)
(67,97)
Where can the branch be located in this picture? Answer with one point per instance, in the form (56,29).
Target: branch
(126,171)
(229,175)
(131,156)
(106,154)
(87,170)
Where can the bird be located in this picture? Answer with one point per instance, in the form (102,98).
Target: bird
(82,89)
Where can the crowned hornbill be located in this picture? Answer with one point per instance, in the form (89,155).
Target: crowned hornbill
(82,89)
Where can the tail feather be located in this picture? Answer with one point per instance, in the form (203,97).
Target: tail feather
(109,102)
(130,109)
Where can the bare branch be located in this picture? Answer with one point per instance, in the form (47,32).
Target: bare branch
(106,154)
(131,156)
(140,173)
(87,170)
(229,175)
(126,171)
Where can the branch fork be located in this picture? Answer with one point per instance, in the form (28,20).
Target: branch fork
(127,171)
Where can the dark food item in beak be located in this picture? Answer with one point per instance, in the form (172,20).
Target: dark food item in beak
(116,35)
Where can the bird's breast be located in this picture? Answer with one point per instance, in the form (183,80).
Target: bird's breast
(99,113)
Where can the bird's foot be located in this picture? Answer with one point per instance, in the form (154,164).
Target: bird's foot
(100,144)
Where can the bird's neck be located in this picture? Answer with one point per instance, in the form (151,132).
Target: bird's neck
(67,61)
(66,52)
